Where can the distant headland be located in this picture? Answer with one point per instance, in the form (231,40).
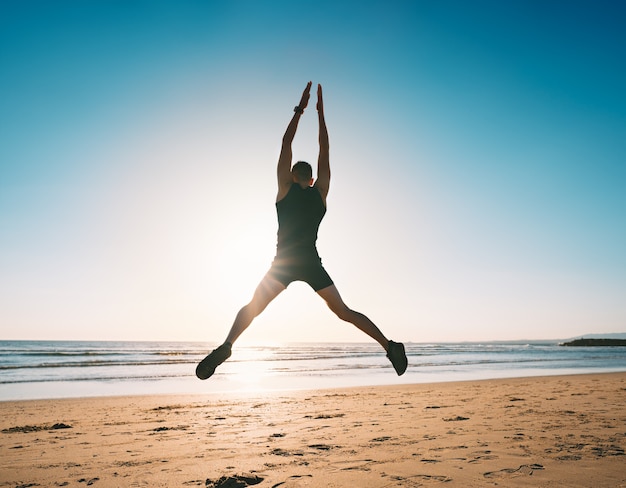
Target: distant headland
(595,342)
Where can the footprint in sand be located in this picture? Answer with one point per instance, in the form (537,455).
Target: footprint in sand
(458,418)
(88,481)
(479,456)
(381,439)
(291,481)
(524,469)
(35,428)
(322,447)
(236,481)
(281,452)
(422,478)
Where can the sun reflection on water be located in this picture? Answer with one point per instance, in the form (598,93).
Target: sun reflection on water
(251,369)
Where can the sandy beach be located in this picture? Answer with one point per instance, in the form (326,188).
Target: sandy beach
(548,431)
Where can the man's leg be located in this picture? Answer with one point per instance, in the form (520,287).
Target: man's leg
(268,289)
(395,350)
(334,301)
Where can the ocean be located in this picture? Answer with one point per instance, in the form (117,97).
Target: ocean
(70,369)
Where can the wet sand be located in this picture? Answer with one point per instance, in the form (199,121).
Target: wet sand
(539,432)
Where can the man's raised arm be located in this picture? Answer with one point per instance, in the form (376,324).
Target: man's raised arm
(323,160)
(284,160)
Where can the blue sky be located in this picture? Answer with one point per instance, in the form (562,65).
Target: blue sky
(478,153)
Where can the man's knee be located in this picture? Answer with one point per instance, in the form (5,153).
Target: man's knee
(252,309)
(341,311)
(248,312)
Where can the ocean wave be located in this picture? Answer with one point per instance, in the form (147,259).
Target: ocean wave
(23,362)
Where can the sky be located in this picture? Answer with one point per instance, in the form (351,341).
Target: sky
(478,156)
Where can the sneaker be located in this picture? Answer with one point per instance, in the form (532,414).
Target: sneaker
(206,367)
(397,356)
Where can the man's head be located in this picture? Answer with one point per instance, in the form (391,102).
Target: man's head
(302,173)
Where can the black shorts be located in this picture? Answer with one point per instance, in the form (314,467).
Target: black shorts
(311,271)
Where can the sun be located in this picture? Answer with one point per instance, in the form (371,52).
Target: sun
(243,255)
(252,370)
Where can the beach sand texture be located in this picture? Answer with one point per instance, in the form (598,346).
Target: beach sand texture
(551,431)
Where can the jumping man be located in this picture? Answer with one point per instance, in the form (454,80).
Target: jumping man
(301,205)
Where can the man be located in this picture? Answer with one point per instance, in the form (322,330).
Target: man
(300,205)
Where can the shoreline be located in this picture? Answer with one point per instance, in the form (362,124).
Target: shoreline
(75,369)
(262,393)
(259,384)
(565,430)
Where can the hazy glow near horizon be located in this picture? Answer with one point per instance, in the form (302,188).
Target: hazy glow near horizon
(478,155)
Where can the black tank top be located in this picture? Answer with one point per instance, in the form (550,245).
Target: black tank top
(299,215)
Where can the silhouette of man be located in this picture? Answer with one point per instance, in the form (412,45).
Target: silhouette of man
(301,205)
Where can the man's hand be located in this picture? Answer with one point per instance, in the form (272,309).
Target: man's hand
(323,161)
(320,101)
(304,101)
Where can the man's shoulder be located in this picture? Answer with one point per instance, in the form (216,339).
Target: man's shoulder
(283,191)
(321,192)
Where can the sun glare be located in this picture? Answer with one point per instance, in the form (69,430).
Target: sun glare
(251,370)
(243,249)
